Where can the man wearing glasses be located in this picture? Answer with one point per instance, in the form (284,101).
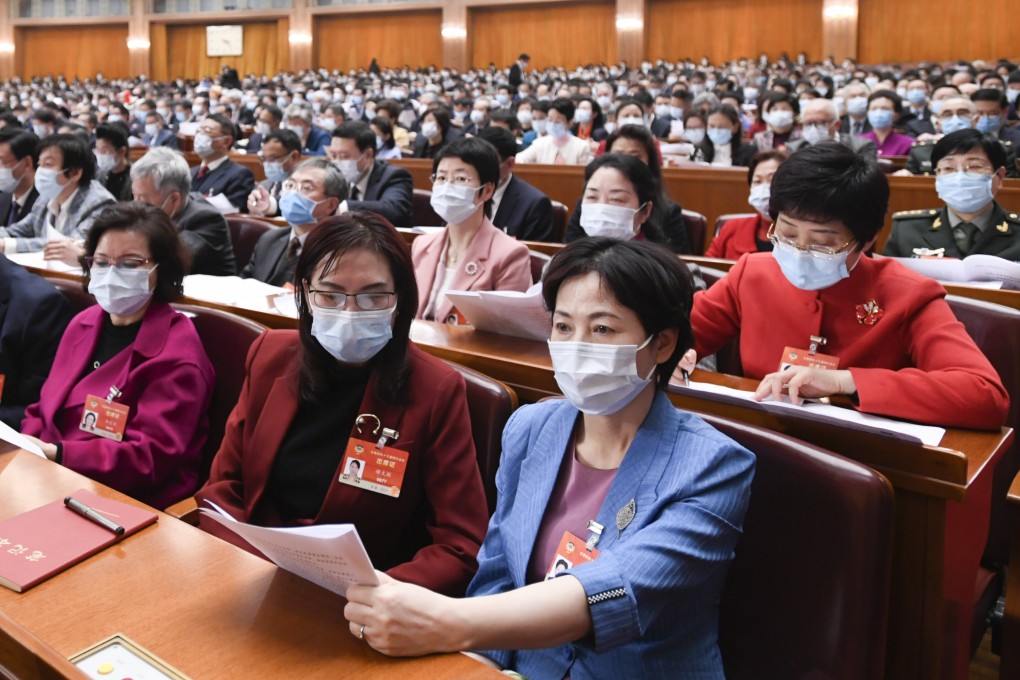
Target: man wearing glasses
(217,175)
(312,193)
(969,169)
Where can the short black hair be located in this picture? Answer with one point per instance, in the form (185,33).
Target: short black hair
(990,94)
(505,116)
(564,106)
(21,142)
(896,100)
(226,125)
(775,97)
(830,182)
(963,141)
(273,110)
(502,139)
(643,276)
(476,152)
(359,131)
(45,116)
(76,155)
(115,133)
(768,155)
(643,136)
(385,128)
(288,138)
(442,116)
(168,251)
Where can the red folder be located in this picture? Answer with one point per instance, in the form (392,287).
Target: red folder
(47,540)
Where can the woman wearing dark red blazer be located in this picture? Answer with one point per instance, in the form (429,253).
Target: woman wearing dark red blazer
(749,234)
(347,377)
(901,351)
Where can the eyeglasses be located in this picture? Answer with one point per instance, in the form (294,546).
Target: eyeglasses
(971,168)
(122,263)
(461,180)
(303,187)
(324,299)
(820,252)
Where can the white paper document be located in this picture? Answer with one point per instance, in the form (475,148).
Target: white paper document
(329,555)
(222,204)
(973,268)
(12,436)
(897,429)
(237,292)
(35,261)
(420,230)
(522,315)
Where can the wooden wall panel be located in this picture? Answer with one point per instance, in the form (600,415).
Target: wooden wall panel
(394,39)
(73,51)
(730,29)
(265,50)
(920,30)
(552,35)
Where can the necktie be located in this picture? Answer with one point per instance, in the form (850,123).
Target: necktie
(857,128)
(355,193)
(293,248)
(203,171)
(12,216)
(963,234)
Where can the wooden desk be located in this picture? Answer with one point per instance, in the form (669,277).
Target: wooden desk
(1010,664)
(205,607)
(940,491)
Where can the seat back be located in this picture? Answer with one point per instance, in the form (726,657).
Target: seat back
(539,261)
(226,338)
(721,221)
(244,234)
(560,217)
(421,209)
(72,290)
(490,404)
(727,358)
(807,594)
(995,329)
(696,225)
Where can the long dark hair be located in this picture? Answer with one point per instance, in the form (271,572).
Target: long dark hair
(325,245)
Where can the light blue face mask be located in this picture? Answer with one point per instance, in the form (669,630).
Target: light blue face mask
(807,272)
(275,172)
(880,119)
(988,125)
(297,208)
(954,124)
(720,136)
(965,192)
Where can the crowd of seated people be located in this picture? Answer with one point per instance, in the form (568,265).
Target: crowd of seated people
(625,314)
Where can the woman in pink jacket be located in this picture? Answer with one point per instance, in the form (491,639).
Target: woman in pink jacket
(126,402)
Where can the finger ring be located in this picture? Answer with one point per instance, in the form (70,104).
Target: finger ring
(361,633)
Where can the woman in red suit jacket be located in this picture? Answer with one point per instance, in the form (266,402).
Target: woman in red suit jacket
(901,351)
(470,253)
(132,340)
(348,377)
(749,234)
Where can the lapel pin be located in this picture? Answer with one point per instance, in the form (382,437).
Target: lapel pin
(624,515)
(937,223)
(1003,228)
(471,268)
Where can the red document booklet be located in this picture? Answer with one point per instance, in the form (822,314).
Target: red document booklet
(42,542)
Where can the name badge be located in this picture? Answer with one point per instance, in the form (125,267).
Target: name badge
(571,552)
(104,418)
(802,357)
(375,468)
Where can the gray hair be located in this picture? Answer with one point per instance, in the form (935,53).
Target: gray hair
(334,185)
(302,111)
(821,104)
(167,168)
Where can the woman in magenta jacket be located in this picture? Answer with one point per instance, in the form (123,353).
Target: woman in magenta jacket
(135,348)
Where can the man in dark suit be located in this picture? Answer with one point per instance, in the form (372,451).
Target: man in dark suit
(281,153)
(518,208)
(516,75)
(992,107)
(963,226)
(298,117)
(925,126)
(156,133)
(161,178)
(270,116)
(33,316)
(18,157)
(276,253)
(217,174)
(375,185)
(855,122)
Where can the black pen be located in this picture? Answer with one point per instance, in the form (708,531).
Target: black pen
(93,515)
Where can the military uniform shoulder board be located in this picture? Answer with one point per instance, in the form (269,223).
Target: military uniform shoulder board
(913,214)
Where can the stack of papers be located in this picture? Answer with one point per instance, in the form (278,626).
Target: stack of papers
(522,315)
(233,291)
(989,270)
(813,410)
(35,261)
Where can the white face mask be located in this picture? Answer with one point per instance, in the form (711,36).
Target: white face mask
(598,379)
(120,291)
(695,135)
(46,183)
(349,169)
(614,221)
(352,337)
(779,120)
(540,125)
(262,129)
(152,129)
(105,162)
(815,133)
(759,198)
(454,203)
(8,182)
(203,145)
(631,120)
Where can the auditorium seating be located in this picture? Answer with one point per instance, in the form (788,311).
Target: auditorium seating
(244,234)
(807,594)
